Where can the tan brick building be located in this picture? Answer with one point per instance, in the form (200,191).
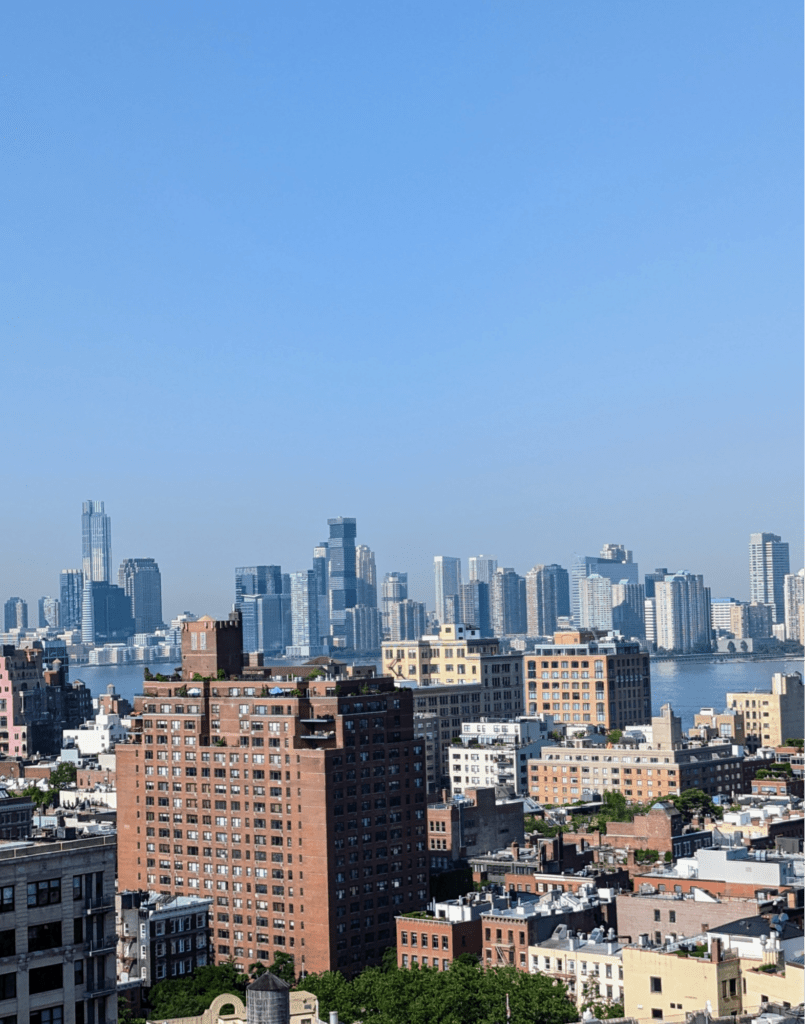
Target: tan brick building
(772,717)
(297,804)
(458,829)
(582,678)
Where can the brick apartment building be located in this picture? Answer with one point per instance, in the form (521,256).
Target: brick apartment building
(583,679)
(458,829)
(297,804)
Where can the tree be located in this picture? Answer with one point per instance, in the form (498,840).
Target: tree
(695,801)
(125,1015)
(63,776)
(191,996)
(283,967)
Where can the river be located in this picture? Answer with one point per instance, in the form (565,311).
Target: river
(686,685)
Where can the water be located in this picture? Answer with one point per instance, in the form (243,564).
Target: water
(686,685)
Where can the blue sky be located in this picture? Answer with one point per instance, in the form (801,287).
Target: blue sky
(512,278)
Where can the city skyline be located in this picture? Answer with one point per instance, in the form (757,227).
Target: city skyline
(612,199)
(607,556)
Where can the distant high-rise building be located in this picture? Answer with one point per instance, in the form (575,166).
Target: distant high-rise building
(768,567)
(474,607)
(266,622)
(96,542)
(507,603)
(683,613)
(794,601)
(654,577)
(342,575)
(49,617)
(366,575)
(71,590)
(721,614)
(615,563)
(362,628)
(406,620)
(322,588)
(595,602)
(628,610)
(16,614)
(447,578)
(141,579)
(547,598)
(483,568)
(650,618)
(305,632)
(393,589)
(751,621)
(257,579)
(106,614)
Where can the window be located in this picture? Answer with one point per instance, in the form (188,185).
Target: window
(8,985)
(44,936)
(8,942)
(6,898)
(52,1015)
(40,894)
(655,984)
(44,979)
(656,1014)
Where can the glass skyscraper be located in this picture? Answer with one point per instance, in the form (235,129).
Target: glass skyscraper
(71,588)
(142,582)
(96,543)
(342,575)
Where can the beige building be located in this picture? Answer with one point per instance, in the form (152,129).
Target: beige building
(770,718)
(590,966)
(581,678)
(726,726)
(794,606)
(750,621)
(641,771)
(669,982)
(457,654)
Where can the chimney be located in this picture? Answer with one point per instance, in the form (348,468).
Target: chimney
(515,850)
(715,951)
(445,796)
(334,1017)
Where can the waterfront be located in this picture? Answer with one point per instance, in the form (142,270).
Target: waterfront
(686,685)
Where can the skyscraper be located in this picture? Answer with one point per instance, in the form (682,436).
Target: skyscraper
(483,568)
(654,577)
(305,633)
(322,589)
(71,589)
(629,610)
(547,598)
(507,603)
(105,614)
(447,577)
(342,575)
(366,574)
(393,590)
(406,620)
(266,621)
(768,567)
(595,602)
(615,563)
(141,580)
(257,579)
(682,608)
(794,591)
(49,617)
(474,607)
(363,628)
(96,543)
(16,614)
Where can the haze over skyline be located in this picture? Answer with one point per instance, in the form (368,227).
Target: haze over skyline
(515,280)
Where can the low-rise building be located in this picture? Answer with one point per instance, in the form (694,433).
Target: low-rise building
(680,978)
(641,771)
(160,937)
(459,828)
(496,753)
(449,928)
(725,726)
(591,966)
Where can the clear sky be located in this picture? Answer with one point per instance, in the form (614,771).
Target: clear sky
(515,278)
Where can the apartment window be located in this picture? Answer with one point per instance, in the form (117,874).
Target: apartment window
(44,936)
(52,1015)
(655,984)
(45,979)
(6,898)
(656,1014)
(40,894)
(656,917)
(8,986)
